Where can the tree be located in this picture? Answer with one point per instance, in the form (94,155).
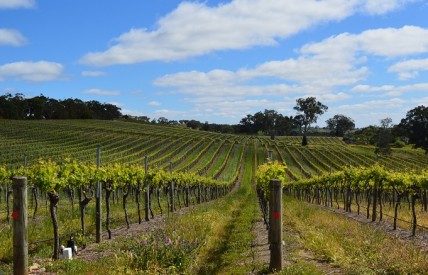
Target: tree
(309,108)
(339,124)
(383,137)
(416,127)
(194,124)
(269,122)
(386,123)
(247,124)
(162,120)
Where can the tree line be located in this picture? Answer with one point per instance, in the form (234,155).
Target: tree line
(413,129)
(42,107)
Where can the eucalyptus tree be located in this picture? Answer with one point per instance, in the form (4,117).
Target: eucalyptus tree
(308,109)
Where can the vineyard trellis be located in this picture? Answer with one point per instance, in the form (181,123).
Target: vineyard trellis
(50,178)
(204,166)
(374,186)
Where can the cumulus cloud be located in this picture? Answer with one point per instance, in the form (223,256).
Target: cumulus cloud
(194,29)
(101,92)
(32,71)
(325,69)
(370,89)
(11,37)
(374,104)
(212,78)
(386,42)
(392,42)
(377,7)
(154,103)
(410,68)
(13,4)
(92,73)
(345,55)
(132,112)
(391,90)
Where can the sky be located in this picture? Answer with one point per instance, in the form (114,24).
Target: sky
(218,61)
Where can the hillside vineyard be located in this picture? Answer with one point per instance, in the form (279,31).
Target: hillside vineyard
(182,166)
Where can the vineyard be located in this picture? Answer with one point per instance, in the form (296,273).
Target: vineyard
(147,171)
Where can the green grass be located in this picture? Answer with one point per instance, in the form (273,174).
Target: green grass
(223,227)
(228,250)
(69,223)
(354,247)
(217,234)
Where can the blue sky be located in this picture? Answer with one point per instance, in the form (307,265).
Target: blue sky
(217,61)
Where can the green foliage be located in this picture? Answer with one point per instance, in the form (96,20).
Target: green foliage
(50,176)
(4,174)
(365,178)
(416,126)
(165,247)
(308,109)
(45,175)
(339,124)
(41,107)
(268,171)
(268,122)
(399,143)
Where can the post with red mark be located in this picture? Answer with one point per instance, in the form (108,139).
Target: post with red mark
(275,225)
(20,235)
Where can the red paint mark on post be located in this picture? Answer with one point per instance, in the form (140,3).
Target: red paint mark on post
(276,215)
(15,215)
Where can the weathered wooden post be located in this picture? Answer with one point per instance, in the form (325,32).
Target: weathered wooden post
(275,225)
(147,191)
(187,195)
(171,188)
(20,235)
(98,201)
(198,199)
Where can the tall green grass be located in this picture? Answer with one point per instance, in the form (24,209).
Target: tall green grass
(356,248)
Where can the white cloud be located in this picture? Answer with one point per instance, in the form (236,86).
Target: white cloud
(154,103)
(368,88)
(332,97)
(323,69)
(344,54)
(195,29)
(13,4)
(196,78)
(392,42)
(101,92)
(169,113)
(372,111)
(391,90)
(11,37)
(410,68)
(92,73)
(132,112)
(118,104)
(32,71)
(373,105)
(387,42)
(311,69)
(383,6)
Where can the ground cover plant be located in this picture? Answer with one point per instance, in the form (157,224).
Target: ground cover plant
(210,211)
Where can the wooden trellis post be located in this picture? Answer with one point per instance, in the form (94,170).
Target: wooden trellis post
(20,235)
(275,225)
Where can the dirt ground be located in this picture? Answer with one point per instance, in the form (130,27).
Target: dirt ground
(292,253)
